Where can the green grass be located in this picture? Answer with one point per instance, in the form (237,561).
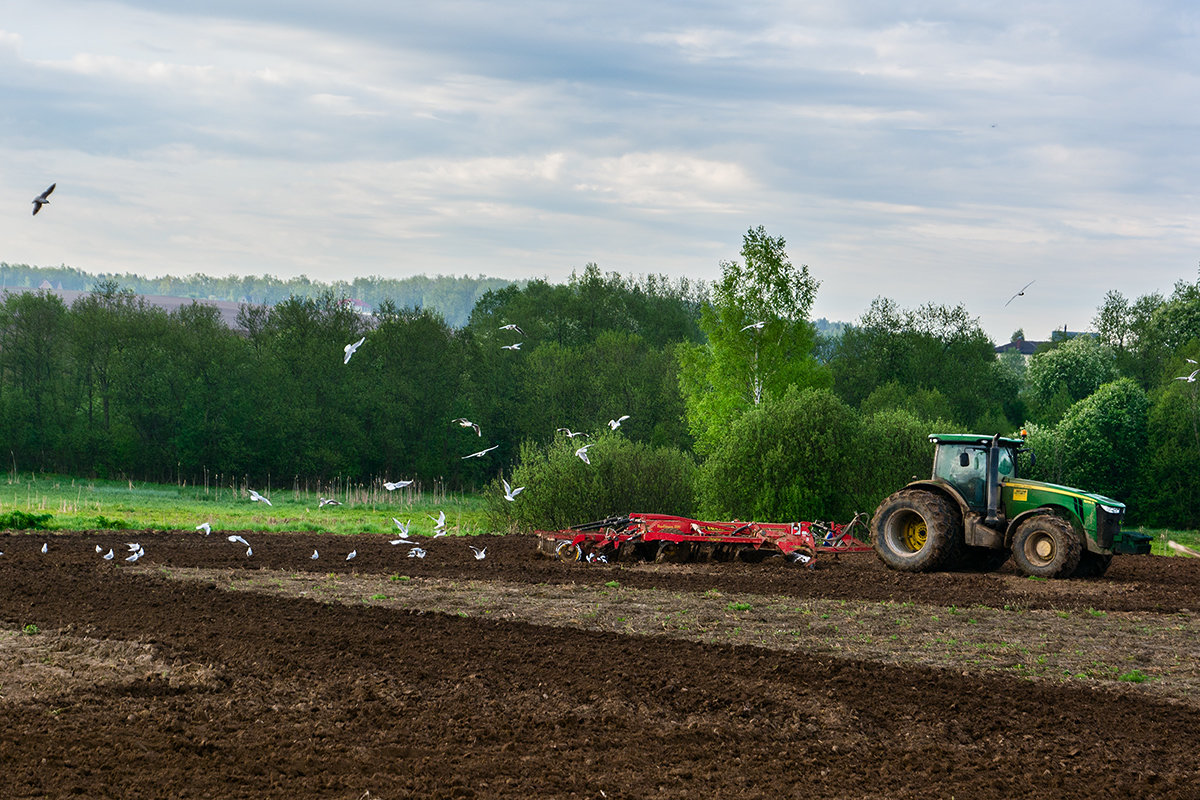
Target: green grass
(1161,536)
(86,504)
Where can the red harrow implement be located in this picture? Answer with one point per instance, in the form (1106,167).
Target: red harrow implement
(662,537)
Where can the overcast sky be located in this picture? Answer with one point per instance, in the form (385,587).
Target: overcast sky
(924,151)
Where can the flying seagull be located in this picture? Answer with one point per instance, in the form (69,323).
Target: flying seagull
(516,346)
(328,501)
(582,453)
(482,452)
(510,494)
(1189,378)
(403,530)
(616,423)
(1020,293)
(416,552)
(238,539)
(466,423)
(570,433)
(204,526)
(758,326)
(440,520)
(511,327)
(480,555)
(42,199)
(392,486)
(255,497)
(350,348)
(1190,360)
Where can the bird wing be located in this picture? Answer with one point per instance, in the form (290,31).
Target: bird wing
(47,193)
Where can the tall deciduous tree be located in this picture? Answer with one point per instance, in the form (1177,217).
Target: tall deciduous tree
(760,341)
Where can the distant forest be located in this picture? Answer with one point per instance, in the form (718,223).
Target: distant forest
(452,297)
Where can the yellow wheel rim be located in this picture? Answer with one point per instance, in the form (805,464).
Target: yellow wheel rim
(913,533)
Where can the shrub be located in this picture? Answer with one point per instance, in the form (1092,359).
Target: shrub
(22,521)
(561,490)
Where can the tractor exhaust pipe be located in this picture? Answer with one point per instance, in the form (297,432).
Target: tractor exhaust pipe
(993,481)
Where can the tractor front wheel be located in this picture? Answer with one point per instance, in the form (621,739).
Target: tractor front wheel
(1046,546)
(916,530)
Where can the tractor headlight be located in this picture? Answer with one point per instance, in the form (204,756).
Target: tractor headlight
(1116,512)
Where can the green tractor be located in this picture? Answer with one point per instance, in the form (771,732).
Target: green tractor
(976,510)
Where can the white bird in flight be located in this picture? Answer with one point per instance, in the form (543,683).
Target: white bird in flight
(482,453)
(758,326)
(350,348)
(582,453)
(440,521)
(570,433)
(255,497)
(314,555)
(616,423)
(204,526)
(466,423)
(480,555)
(512,327)
(403,528)
(1189,378)
(351,554)
(392,486)
(238,539)
(1020,293)
(510,494)
(327,501)
(516,346)
(416,552)
(42,199)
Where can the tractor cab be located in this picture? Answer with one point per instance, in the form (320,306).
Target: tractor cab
(961,460)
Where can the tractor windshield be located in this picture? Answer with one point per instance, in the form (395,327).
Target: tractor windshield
(964,466)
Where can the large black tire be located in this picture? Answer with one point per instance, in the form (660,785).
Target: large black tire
(1046,546)
(916,530)
(1092,565)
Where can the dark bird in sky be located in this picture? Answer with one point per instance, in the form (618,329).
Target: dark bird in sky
(1020,293)
(42,199)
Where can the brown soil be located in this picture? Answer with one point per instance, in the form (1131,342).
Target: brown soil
(201,672)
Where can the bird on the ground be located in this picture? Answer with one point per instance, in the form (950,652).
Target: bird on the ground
(582,453)
(42,199)
(758,326)
(482,453)
(238,539)
(480,555)
(351,348)
(314,555)
(512,327)
(255,497)
(510,494)
(351,554)
(133,545)
(416,552)
(45,547)
(516,346)
(327,501)
(249,550)
(392,486)
(616,423)
(593,558)
(1020,293)
(134,557)
(466,423)
(204,526)
(109,555)
(1189,378)
(570,433)
(99,549)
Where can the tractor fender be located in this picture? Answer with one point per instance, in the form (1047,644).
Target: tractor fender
(1058,511)
(944,489)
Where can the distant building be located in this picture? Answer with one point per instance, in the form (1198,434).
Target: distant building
(1027,348)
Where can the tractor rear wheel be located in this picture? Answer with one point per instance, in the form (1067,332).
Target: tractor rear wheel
(1046,546)
(916,530)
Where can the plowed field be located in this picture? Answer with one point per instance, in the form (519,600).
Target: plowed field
(201,672)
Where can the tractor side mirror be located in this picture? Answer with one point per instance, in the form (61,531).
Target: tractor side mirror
(964,459)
